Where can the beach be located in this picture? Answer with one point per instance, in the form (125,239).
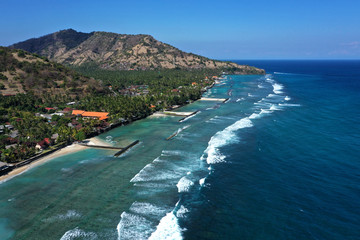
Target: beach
(61,152)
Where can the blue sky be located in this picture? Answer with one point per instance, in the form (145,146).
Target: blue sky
(227,29)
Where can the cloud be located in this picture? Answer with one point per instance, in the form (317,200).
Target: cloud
(354,44)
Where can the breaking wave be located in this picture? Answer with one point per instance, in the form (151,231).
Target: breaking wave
(277,88)
(223,138)
(184,184)
(168,229)
(78,233)
(132,226)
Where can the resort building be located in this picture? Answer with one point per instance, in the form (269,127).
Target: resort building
(85,114)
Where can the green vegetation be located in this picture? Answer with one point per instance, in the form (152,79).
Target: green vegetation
(28,120)
(38,96)
(157,80)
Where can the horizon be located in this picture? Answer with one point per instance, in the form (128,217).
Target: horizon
(228,30)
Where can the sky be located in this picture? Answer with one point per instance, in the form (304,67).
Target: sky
(226,29)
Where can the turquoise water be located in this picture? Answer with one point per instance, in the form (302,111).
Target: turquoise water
(279,160)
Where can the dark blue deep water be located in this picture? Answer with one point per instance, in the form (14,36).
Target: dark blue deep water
(296,173)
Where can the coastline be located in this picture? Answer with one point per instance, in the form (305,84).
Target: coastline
(74,147)
(61,152)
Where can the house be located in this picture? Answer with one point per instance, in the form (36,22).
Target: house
(47,141)
(41,145)
(47,116)
(11,140)
(14,133)
(54,137)
(85,114)
(193,83)
(11,146)
(67,110)
(9,126)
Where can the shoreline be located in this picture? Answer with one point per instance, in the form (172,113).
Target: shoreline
(74,147)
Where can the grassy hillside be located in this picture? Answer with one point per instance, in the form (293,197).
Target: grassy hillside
(23,72)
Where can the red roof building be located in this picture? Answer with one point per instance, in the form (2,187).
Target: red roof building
(67,110)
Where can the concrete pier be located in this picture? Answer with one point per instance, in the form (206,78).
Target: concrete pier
(126,148)
(122,149)
(214,99)
(99,146)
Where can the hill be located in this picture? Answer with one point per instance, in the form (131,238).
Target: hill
(24,72)
(121,52)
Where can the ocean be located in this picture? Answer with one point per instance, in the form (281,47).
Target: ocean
(278,160)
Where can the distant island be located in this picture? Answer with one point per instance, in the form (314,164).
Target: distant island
(68,86)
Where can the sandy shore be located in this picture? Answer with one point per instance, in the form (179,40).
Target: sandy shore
(74,148)
(61,152)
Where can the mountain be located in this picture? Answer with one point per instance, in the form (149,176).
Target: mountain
(24,72)
(121,52)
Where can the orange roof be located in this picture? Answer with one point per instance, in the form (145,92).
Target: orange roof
(100,115)
(76,112)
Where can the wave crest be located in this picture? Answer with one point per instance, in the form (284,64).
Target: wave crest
(223,138)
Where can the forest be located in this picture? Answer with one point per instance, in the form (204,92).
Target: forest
(126,95)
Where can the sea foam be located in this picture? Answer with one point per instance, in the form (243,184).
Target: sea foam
(191,116)
(78,233)
(223,138)
(277,88)
(150,173)
(202,181)
(275,107)
(184,184)
(168,229)
(68,215)
(132,226)
(148,209)
(181,213)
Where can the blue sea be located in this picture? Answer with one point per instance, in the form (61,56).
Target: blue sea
(278,160)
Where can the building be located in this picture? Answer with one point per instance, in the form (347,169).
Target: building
(41,145)
(85,114)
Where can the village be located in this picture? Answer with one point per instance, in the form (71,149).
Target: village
(20,141)
(66,124)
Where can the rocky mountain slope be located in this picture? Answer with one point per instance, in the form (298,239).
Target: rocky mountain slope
(120,52)
(24,72)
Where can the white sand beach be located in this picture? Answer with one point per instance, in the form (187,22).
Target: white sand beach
(61,152)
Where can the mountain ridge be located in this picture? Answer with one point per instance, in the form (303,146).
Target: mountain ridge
(114,51)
